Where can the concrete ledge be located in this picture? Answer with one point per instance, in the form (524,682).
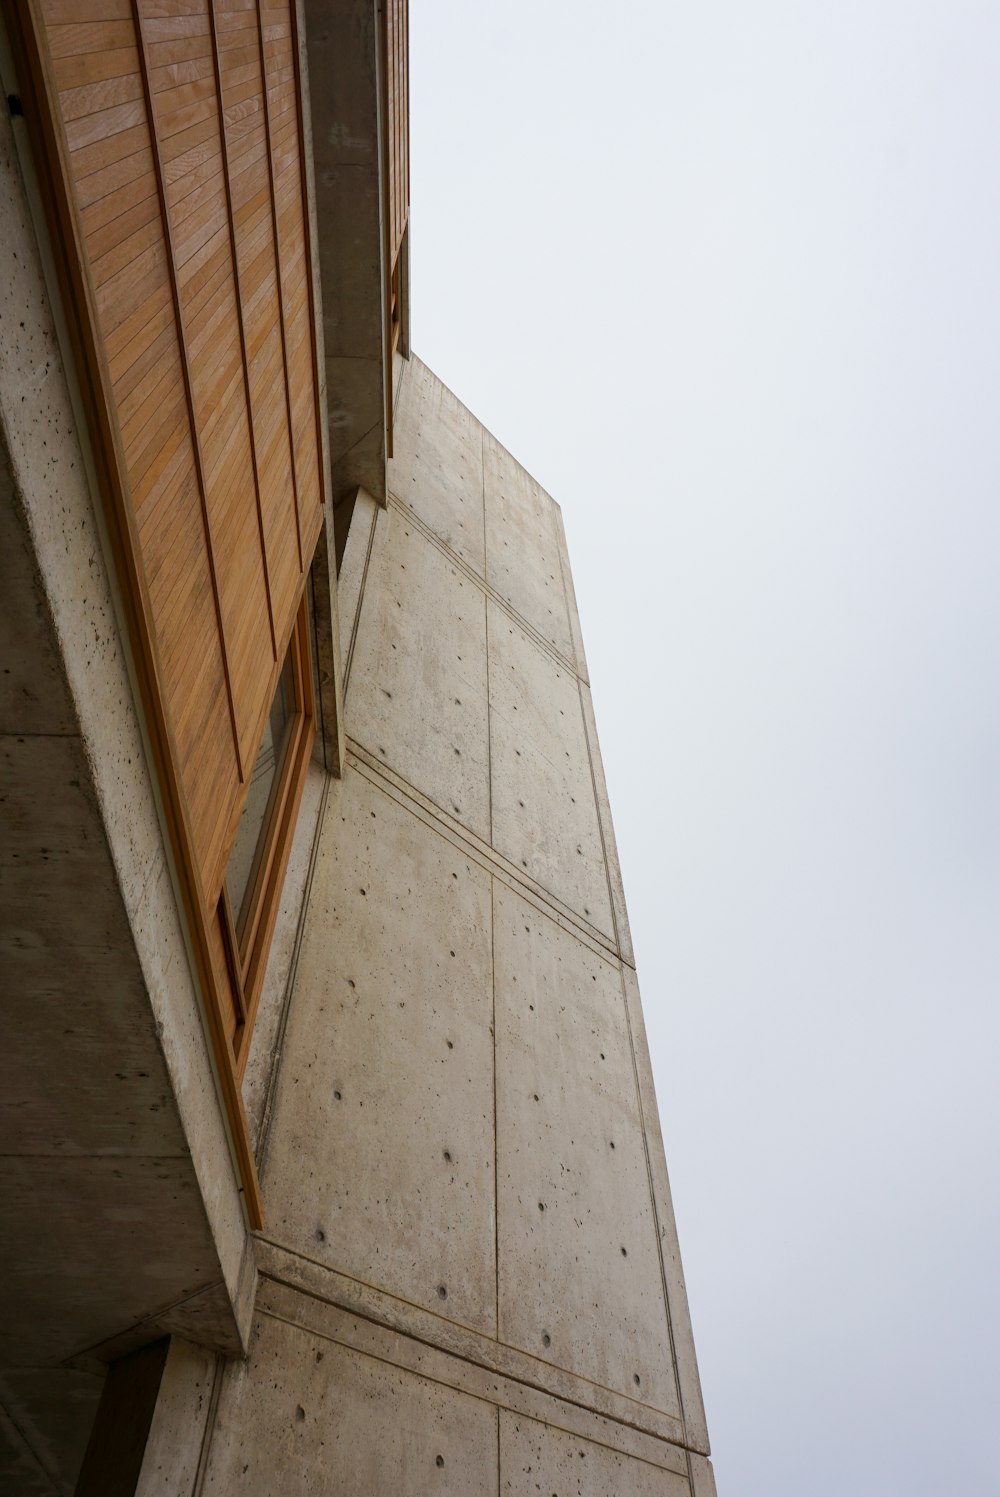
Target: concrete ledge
(310,1294)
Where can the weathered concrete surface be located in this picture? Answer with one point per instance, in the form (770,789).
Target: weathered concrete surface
(353,571)
(342,47)
(579,1269)
(545,817)
(180,1420)
(537,1458)
(623,935)
(702,1477)
(419,674)
(45,1421)
(380,1159)
(308,1417)
(523,562)
(470,1251)
(688,1380)
(437,464)
(574,613)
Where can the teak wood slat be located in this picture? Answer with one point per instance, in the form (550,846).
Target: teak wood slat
(170,151)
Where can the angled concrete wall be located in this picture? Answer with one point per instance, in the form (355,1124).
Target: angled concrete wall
(469,1273)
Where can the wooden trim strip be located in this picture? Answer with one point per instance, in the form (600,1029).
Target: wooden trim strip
(39,91)
(239,310)
(271,873)
(232,952)
(199,459)
(309,251)
(280,286)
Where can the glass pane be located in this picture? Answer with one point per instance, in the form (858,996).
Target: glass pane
(252,830)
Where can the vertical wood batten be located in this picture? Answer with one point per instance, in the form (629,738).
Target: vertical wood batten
(240,316)
(279,277)
(308,248)
(186,372)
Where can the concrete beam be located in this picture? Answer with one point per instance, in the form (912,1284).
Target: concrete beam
(343,46)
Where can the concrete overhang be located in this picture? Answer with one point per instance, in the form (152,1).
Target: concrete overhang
(344,56)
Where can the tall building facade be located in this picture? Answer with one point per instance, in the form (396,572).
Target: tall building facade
(331,1155)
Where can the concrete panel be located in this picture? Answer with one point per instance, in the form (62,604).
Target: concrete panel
(310,1417)
(21,1472)
(33,694)
(418,699)
(71,1000)
(380,1158)
(437,463)
(580,1282)
(111,1242)
(622,931)
(180,1420)
(51,1411)
(342,45)
(535,1458)
(545,817)
(702,1477)
(693,1408)
(353,571)
(574,613)
(522,545)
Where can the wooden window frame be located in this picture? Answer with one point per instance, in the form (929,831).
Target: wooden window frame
(247,957)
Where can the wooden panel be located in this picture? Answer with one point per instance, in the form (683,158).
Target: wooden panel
(279,53)
(181,221)
(194,226)
(244,122)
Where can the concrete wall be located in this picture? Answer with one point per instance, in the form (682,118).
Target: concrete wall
(120,1214)
(469,1279)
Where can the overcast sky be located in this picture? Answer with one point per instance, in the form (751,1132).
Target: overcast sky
(724,277)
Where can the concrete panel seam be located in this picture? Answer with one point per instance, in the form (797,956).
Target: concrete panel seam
(296,1274)
(488,858)
(410,515)
(509,1374)
(209,1430)
(402,507)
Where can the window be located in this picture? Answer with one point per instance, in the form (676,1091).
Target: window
(251,892)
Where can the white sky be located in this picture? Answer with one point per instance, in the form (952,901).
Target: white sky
(723,276)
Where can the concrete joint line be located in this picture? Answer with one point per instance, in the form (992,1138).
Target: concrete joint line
(325,1302)
(410,515)
(411,799)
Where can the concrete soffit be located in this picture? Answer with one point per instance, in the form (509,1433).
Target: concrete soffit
(343,44)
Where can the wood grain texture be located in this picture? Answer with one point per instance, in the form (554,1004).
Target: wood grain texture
(171,132)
